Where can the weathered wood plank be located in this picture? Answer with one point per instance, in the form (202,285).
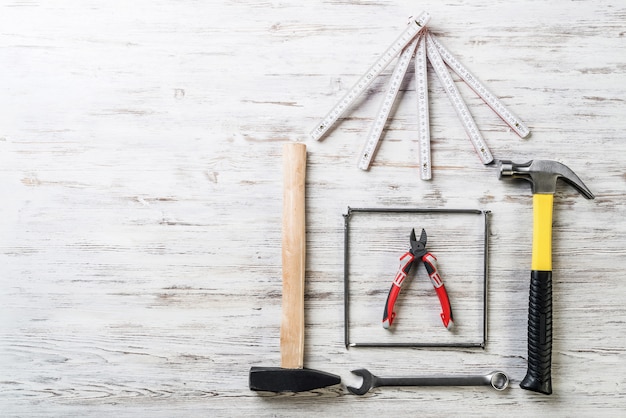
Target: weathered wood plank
(140,225)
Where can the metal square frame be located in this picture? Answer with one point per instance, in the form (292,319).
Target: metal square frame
(346,279)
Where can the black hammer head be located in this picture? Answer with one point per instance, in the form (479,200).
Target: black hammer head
(543,175)
(277,379)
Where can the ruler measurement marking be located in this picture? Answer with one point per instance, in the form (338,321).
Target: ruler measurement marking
(457,102)
(482,91)
(423,117)
(400,43)
(416,40)
(373,138)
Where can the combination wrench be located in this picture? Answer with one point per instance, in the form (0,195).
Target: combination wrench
(497,380)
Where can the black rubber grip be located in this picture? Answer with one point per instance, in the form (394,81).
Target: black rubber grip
(538,377)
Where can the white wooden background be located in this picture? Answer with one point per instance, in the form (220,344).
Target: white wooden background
(140,147)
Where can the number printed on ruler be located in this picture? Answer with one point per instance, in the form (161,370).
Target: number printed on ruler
(417,40)
(479,88)
(423,117)
(457,102)
(385,108)
(366,80)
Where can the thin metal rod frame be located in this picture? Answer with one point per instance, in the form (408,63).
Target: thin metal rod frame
(346,278)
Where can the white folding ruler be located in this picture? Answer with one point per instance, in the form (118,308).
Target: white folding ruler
(417,41)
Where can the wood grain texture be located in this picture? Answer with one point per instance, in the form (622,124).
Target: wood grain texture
(140,243)
(292,324)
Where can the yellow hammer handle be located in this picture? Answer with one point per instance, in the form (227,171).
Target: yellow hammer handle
(542,232)
(538,377)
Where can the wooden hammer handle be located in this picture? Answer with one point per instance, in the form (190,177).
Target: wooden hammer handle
(293,255)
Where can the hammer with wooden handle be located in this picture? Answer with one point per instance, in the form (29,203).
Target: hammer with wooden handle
(291,376)
(543,175)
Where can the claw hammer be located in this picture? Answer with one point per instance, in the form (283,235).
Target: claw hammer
(543,175)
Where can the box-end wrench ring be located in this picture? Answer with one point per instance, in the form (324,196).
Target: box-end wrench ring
(497,380)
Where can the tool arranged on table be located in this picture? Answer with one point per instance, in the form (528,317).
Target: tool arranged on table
(417,251)
(481,257)
(417,40)
(413,28)
(543,175)
(497,380)
(291,376)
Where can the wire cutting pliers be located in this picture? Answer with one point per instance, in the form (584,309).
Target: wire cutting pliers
(418,252)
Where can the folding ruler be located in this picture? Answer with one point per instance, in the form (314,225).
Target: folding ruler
(417,41)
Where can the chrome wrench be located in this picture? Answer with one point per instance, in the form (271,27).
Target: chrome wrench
(497,380)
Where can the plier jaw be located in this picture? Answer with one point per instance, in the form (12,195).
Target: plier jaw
(418,247)
(417,252)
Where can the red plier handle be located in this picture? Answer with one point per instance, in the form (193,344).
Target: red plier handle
(430,262)
(406,261)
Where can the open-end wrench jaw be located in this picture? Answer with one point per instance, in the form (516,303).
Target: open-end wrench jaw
(366,385)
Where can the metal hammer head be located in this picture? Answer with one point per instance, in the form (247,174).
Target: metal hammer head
(278,379)
(543,175)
